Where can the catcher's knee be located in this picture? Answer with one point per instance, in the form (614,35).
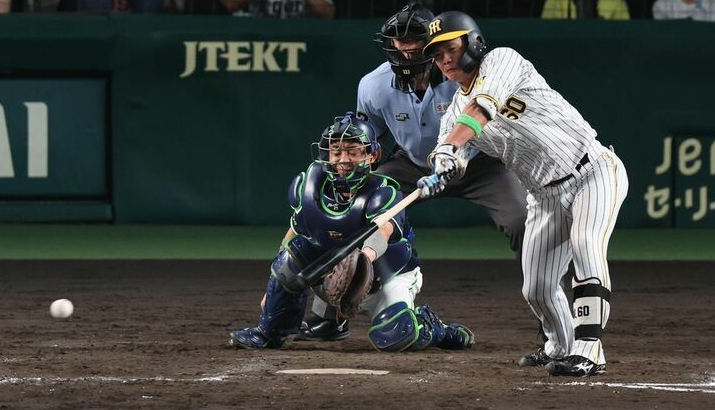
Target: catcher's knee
(298,253)
(394,329)
(591,307)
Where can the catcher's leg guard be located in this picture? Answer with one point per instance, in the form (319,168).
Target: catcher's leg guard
(394,329)
(283,311)
(591,307)
(281,316)
(297,254)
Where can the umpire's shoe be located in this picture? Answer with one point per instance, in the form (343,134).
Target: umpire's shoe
(252,338)
(536,359)
(317,329)
(577,366)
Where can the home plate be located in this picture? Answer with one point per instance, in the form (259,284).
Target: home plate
(333,371)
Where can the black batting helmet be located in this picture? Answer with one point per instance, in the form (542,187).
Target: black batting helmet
(410,23)
(453,24)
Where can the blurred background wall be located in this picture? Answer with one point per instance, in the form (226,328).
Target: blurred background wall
(186,119)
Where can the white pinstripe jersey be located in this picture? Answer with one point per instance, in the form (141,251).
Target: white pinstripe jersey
(535,132)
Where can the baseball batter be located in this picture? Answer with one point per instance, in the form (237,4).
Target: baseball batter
(575,186)
(336,197)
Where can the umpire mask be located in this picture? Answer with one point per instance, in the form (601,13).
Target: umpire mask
(409,26)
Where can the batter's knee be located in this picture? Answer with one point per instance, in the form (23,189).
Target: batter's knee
(536,296)
(586,242)
(394,329)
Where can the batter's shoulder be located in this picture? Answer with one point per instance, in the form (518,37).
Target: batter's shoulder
(502,53)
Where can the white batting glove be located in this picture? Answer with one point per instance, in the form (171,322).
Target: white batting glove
(444,162)
(430,186)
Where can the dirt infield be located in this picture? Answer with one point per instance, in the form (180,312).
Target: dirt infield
(152,334)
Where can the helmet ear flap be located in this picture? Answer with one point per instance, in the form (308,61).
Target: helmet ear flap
(476,46)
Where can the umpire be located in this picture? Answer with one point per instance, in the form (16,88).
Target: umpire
(406,97)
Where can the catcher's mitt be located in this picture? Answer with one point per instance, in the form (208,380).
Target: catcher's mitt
(348,284)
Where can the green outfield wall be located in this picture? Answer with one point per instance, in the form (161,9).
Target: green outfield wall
(204,120)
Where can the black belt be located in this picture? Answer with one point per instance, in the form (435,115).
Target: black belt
(580,164)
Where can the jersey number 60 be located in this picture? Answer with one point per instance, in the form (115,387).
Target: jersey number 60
(513,108)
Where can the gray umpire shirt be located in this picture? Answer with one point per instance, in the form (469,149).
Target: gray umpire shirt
(414,123)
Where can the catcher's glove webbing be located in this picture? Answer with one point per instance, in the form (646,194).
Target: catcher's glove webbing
(349,283)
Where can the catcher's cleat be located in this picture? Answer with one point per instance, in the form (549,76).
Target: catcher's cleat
(317,329)
(251,338)
(453,336)
(537,359)
(577,366)
(457,337)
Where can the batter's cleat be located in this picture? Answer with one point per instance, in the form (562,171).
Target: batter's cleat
(576,366)
(457,337)
(251,338)
(317,329)
(537,359)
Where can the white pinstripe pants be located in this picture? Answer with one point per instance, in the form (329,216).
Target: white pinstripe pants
(572,220)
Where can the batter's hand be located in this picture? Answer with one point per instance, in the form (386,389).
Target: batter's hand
(430,186)
(444,162)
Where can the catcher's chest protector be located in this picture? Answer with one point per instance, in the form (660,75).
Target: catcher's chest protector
(317,221)
(322,221)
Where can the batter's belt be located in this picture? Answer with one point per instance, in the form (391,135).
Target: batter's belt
(584,160)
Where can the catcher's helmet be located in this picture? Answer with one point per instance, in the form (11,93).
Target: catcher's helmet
(453,24)
(410,23)
(352,127)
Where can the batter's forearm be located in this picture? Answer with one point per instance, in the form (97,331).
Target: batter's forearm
(461,133)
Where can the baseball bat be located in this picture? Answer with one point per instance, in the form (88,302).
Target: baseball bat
(322,266)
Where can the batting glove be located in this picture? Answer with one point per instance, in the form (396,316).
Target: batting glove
(444,162)
(430,186)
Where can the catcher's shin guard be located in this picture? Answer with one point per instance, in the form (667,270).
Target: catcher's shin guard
(591,307)
(394,329)
(282,313)
(298,253)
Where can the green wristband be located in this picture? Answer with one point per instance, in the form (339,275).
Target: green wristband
(470,122)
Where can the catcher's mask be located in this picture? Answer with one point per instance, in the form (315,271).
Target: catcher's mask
(352,135)
(411,24)
(453,24)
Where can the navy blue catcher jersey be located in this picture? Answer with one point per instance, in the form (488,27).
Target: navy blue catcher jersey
(326,223)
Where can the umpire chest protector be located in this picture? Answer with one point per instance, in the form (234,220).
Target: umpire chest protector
(325,223)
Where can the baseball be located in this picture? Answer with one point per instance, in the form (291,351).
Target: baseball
(61,309)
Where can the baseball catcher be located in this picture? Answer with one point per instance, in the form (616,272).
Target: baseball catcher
(335,197)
